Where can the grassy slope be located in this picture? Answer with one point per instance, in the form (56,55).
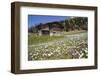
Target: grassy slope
(41,39)
(33,39)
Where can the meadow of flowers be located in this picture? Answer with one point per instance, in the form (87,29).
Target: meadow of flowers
(73,46)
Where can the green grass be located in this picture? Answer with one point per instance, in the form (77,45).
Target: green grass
(74,32)
(33,39)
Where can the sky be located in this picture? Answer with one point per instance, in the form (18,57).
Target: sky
(37,19)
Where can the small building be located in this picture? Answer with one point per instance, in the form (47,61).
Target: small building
(52,29)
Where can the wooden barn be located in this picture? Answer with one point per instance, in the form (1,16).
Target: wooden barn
(52,29)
